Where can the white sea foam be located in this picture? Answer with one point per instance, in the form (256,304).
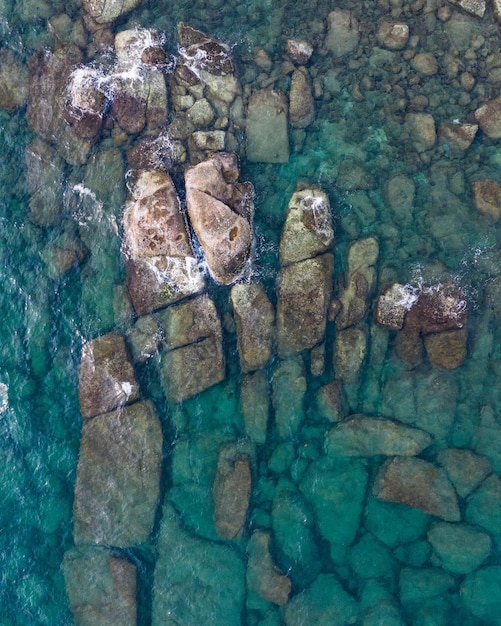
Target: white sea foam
(4,397)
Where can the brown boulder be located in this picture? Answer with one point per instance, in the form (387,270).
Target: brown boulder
(255,318)
(418,484)
(231,492)
(448,349)
(303,296)
(487,198)
(161,267)
(86,103)
(301,105)
(195,359)
(488,117)
(263,576)
(393,35)
(308,226)
(106,379)
(220,211)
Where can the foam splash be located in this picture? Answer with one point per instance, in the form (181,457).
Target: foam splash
(4,397)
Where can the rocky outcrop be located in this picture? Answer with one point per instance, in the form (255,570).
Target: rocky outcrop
(392,305)
(308,230)
(220,211)
(231,491)
(301,104)
(303,296)
(487,198)
(362,435)
(419,484)
(106,11)
(343,33)
(488,117)
(459,548)
(118,477)
(392,35)
(254,318)
(359,284)
(106,379)
(160,263)
(194,360)
(13,81)
(101,587)
(267,140)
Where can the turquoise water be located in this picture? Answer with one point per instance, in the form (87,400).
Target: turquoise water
(372,559)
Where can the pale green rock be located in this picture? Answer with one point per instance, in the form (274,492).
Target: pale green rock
(368,436)
(414,554)
(458,548)
(267,139)
(483,507)
(417,585)
(293,528)
(255,405)
(289,387)
(371,559)
(336,487)
(324,602)
(480,594)
(101,588)
(466,470)
(394,523)
(195,581)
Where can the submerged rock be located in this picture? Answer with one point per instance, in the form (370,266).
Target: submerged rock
(392,35)
(101,587)
(331,403)
(458,548)
(488,117)
(221,212)
(308,230)
(13,81)
(480,593)
(483,506)
(106,379)
(335,487)
(266,130)
(118,477)
(105,11)
(465,469)
(474,7)
(457,137)
(368,436)
(231,491)
(324,602)
(392,305)
(263,576)
(447,349)
(343,32)
(303,296)
(195,581)
(301,105)
(350,349)
(195,359)
(298,51)
(45,182)
(419,484)
(255,405)
(360,281)
(421,130)
(254,318)
(487,198)
(161,267)
(289,387)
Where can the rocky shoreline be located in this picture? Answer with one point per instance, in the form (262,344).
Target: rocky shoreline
(321,476)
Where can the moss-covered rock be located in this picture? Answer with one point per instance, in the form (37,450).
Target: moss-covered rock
(458,548)
(480,593)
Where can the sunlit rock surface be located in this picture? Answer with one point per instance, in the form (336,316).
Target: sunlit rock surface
(101,587)
(161,267)
(118,477)
(221,211)
(106,379)
(105,11)
(267,139)
(254,318)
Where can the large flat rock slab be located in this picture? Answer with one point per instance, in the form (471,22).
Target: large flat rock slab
(267,138)
(194,359)
(101,588)
(118,477)
(303,295)
(368,436)
(106,379)
(419,484)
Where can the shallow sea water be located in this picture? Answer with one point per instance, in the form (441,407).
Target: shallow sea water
(46,320)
